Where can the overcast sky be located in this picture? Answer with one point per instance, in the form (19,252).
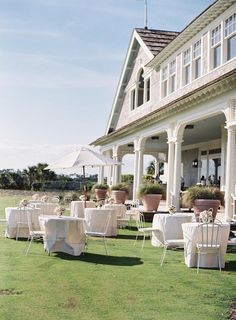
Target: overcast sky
(60,62)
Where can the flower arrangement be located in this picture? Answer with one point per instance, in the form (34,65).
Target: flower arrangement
(35,196)
(82,197)
(59,210)
(206,216)
(44,198)
(24,203)
(172,209)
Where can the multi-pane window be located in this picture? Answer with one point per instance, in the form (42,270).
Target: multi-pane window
(197,61)
(216,46)
(187,66)
(147,88)
(132,99)
(230,34)
(164,81)
(172,72)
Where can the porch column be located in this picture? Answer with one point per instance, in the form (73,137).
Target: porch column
(140,167)
(110,169)
(177,173)
(169,185)
(136,160)
(101,175)
(156,166)
(223,157)
(115,175)
(230,171)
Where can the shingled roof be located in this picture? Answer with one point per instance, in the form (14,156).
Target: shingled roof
(156,40)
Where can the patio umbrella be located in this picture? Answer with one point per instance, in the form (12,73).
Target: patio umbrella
(81,158)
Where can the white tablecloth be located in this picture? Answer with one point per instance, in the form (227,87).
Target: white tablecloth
(170,225)
(63,234)
(190,232)
(95,217)
(77,208)
(14,215)
(46,207)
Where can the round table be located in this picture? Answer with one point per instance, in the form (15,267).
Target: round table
(95,217)
(190,235)
(170,225)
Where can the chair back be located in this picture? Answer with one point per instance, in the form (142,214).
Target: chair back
(22,215)
(209,234)
(107,222)
(29,221)
(140,220)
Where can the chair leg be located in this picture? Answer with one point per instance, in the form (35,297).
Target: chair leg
(136,238)
(198,261)
(143,241)
(31,239)
(105,244)
(163,255)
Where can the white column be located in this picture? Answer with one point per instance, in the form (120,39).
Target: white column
(156,166)
(140,167)
(115,167)
(223,157)
(177,173)
(169,186)
(101,175)
(230,172)
(136,160)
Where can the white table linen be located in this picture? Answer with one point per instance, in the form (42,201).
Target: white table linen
(63,234)
(210,260)
(14,215)
(46,207)
(95,218)
(77,208)
(170,225)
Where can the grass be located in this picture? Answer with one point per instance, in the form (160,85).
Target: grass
(124,285)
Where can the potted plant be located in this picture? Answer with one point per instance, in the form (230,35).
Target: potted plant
(100,190)
(202,198)
(119,192)
(150,194)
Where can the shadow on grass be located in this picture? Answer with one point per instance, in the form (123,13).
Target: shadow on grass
(102,259)
(230,266)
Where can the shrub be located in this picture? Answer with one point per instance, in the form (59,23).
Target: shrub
(120,187)
(202,192)
(150,188)
(103,186)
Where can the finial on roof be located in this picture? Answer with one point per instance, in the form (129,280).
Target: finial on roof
(145,13)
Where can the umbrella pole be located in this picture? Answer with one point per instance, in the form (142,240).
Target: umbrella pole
(85,195)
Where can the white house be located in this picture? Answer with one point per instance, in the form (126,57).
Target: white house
(177,96)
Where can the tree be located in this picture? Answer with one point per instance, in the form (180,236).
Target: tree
(151,168)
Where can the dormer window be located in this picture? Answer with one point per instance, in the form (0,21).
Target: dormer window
(140,88)
(187,66)
(172,76)
(216,46)
(230,35)
(197,61)
(164,81)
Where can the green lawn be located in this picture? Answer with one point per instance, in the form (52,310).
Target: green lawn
(123,285)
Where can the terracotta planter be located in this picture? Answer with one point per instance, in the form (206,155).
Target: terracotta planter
(119,196)
(200,205)
(151,201)
(100,194)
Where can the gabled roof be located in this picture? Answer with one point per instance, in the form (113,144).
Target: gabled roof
(156,40)
(152,42)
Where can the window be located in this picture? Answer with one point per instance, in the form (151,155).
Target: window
(164,81)
(230,34)
(197,61)
(140,88)
(172,76)
(132,99)
(187,66)
(216,46)
(148,82)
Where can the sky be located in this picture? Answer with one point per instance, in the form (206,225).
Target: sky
(60,63)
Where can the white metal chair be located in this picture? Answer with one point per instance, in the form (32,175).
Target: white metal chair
(208,241)
(98,233)
(33,234)
(140,223)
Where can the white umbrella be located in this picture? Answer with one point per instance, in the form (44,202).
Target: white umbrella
(81,158)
